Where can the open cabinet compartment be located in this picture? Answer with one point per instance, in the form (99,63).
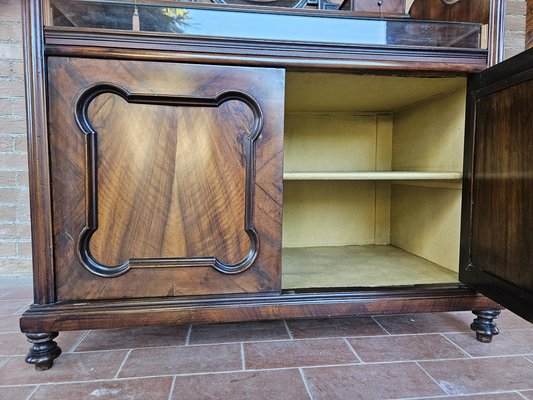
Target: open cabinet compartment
(372,180)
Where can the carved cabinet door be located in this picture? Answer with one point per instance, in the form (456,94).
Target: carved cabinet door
(497,235)
(166,178)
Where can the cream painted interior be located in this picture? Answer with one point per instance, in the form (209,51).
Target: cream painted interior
(348,93)
(372,191)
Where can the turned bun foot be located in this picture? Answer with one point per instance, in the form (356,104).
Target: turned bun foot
(484,325)
(483,338)
(44,350)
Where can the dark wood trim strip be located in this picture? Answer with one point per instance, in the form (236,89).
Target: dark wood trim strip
(496,43)
(517,79)
(468,168)
(509,68)
(514,297)
(39,174)
(130,313)
(146,46)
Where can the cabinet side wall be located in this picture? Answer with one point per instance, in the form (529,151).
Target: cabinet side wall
(429,136)
(425,221)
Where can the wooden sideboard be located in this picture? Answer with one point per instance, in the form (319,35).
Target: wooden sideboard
(190,178)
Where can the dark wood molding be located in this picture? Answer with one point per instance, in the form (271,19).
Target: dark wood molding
(496,42)
(128,313)
(468,167)
(91,156)
(169,47)
(38,156)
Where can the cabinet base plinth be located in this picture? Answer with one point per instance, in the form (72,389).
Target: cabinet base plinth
(44,350)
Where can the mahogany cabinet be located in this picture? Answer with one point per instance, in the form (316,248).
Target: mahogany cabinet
(235,173)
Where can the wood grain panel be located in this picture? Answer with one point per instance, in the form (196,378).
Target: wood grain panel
(171,180)
(372,6)
(177,173)
(502,212)
(461,11)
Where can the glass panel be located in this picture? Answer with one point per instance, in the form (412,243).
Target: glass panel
(273,25)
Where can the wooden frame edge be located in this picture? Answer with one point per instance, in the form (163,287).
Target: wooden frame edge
(147,46)
(38,162)
(496,44)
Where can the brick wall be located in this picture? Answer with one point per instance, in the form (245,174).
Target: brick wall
(529,24)
(15,245)
(516,27)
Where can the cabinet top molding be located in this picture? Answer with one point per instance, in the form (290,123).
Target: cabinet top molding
(302,39)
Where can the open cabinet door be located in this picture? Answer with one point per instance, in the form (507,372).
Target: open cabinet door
(497,235)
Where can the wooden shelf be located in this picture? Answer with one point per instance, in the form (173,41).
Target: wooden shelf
(371,176)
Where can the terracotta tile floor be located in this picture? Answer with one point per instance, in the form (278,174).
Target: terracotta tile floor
(421,356)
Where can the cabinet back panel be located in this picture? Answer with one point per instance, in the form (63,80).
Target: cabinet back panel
(429,136)
(157,166)
(426,221)
(328,213)
(330,142)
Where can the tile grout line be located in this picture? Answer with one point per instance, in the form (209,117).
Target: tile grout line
(221,343)
(19,311)
(430,377)
(524,356)
(78,342)
(311,366)
(243,362)
(5,361)
(353,351)
(122,364)
(305,383)
(458,347)
(225,372)
(172,386)
(425,397)
(102,380)
(32,392)
(8,292)
(288,330)
(381,326)
(458,395)
(188,335)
